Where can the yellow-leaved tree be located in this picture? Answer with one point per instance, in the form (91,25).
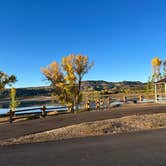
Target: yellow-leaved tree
(6,80)
(66,78)
(82,66)
(14,103)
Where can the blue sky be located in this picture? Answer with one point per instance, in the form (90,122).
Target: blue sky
(120,36)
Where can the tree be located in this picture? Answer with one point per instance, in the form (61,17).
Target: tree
(6,80)
(54,74)
(156,64)
(150,85)
(67,77)
(68,66)
(14,103)
(82,66)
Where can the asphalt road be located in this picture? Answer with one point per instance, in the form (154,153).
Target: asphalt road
(146,148)
(21,128)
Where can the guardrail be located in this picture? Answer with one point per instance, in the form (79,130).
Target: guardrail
(88,105)
(31,111)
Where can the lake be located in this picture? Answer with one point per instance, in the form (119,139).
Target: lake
(5,110)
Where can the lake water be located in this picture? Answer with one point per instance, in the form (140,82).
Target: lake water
(5,110)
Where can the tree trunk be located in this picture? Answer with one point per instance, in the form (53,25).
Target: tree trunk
(78,93)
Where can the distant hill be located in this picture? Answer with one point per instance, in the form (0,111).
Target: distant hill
(104,85)
(29,91)
(86,86)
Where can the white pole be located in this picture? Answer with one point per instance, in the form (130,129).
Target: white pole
(155,87)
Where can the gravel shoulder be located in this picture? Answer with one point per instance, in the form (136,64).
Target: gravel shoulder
(97,128)
(28,127)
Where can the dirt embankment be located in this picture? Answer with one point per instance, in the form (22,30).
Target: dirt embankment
(96,128)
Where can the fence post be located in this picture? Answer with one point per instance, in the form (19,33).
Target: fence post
(125,99)
(141,98)
(69,108)
(43,109)
(101,103)
(10,116)
(88,105)
(98,105)
(108,102)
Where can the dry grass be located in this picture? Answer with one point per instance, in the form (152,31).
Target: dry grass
(97,128)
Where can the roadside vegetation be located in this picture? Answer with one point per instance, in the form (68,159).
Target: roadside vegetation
(6,80)
(66,78)
(14,103)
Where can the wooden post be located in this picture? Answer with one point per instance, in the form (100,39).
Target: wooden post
(98,105)
(69,108)
(101,103)
(140,98)
(43,109)
(10,116)
(125,99)
(88,105)
(108,102)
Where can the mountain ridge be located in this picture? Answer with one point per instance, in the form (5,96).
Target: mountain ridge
(88,85)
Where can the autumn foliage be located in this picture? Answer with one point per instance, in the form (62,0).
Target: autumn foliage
(6,80)
(66,78)
(14,103)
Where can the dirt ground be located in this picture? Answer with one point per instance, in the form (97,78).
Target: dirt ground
(125,124)
(22,128)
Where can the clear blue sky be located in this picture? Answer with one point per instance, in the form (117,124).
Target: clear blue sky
(120,36)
